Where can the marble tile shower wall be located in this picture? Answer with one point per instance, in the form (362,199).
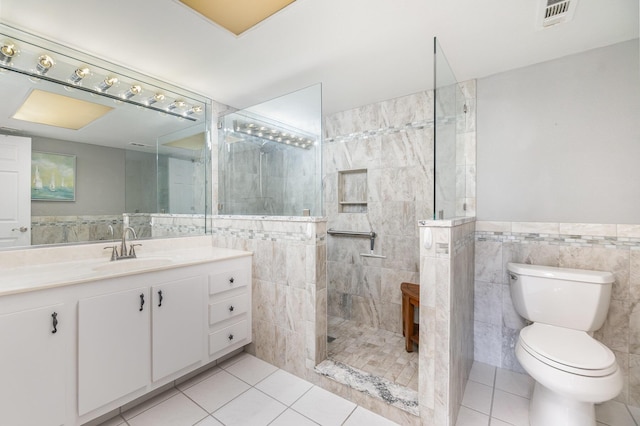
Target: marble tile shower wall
(393,141)
(614,248)
(446,318)
(72,229)
(289,286)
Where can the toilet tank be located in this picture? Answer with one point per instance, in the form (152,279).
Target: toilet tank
(571,298)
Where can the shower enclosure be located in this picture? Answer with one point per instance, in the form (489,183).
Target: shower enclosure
(270,157)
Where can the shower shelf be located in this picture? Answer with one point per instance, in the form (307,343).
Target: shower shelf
(350,203)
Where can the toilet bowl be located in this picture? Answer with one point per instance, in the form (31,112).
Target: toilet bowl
(572,370)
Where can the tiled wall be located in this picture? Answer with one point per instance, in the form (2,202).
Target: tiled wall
(393,142)
(446,318)
(72,229)
(289,286)
(614,248)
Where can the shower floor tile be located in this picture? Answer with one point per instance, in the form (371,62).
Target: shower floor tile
(372,350)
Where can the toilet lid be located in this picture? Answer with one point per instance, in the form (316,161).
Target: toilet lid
(570,350)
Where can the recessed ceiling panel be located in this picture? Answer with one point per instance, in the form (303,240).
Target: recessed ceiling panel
(57,110)
(237,16)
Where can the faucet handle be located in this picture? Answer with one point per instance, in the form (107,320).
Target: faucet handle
(114,252)
(132,250)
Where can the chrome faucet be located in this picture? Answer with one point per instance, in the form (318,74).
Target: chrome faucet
(124,254)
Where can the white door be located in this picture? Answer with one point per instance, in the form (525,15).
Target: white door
(15,191)
(181,187)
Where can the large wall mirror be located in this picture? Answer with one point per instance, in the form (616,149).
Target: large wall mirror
(87,147)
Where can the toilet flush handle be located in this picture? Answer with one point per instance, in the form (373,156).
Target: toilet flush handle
(513,277)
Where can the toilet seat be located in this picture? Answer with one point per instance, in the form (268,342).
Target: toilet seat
(568,350)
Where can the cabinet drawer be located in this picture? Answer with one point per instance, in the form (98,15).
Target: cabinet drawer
(227,337)
(228,308)
(224,281)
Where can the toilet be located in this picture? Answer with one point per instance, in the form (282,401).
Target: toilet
(571,369)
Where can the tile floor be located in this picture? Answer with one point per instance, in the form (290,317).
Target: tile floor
(372,350)
(498,397)
(245,390)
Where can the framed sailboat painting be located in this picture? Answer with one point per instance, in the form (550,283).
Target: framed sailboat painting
(53,177)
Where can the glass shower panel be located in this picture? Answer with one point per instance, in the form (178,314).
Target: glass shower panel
(270,157)
(449,182)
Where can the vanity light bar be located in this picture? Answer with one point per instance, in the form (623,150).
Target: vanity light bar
(44,63)
(274,134)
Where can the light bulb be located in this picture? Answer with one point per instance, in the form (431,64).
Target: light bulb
(132,91)
(45,63)
(107,83)
(78,75)
(7,52)
(158,97)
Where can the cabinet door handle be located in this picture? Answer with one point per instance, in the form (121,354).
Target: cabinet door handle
(231,308)
(230,337)
(231,280)
(54,322)
(141,301)
(160,298)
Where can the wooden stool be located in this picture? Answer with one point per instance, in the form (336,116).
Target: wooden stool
(410,299)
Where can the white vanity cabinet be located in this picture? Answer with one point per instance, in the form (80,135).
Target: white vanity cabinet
(33,365)
(177,326)
(114,344)
(229,307)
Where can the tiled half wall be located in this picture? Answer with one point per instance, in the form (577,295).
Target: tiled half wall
(446,317)
(289,286)
(606,247)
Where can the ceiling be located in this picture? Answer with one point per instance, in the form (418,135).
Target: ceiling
(362,51)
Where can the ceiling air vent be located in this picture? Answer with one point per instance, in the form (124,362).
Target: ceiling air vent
(556,12)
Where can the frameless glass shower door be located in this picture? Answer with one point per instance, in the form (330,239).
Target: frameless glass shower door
(449,182)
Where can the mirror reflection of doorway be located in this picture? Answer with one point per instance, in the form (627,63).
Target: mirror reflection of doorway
(15,192)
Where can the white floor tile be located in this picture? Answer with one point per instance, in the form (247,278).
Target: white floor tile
(208,421)
(144,406)
(468,417)
(496,422)
(363,417)
(175,411)
(198,378)
(635,412)
(217,390)
(324,407)
(478,397)
(510,408)
(251,369)
(292,418)
(283,386)
(252,408)
(515,383)
(483,373)
(614,413)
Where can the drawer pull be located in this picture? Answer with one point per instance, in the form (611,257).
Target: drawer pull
(160,298)
(141,301)
(231,280)
(230,337)
(54,322)
(231,308)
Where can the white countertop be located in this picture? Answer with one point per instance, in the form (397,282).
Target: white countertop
(56,274)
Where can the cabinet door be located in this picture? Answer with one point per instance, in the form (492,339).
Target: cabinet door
(32,367)
(113,347)
(178,325)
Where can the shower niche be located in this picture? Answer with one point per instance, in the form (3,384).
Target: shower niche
(352,191)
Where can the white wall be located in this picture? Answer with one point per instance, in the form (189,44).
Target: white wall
(560,141)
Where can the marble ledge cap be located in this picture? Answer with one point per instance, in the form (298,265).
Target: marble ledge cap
(446,223)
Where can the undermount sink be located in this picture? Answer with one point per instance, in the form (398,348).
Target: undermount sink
(127,265)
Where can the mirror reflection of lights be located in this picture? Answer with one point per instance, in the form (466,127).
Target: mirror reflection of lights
(176,105)
(78,75)
(44,64)
(7,52)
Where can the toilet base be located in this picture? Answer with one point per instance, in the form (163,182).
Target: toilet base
(549,408)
